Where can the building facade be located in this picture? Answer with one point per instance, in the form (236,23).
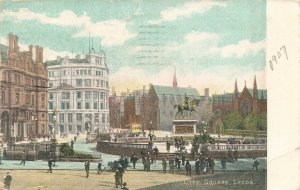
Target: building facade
(23,103)
(160,110)
(249,101)
(78,93)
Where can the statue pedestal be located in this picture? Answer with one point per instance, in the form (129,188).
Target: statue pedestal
(184,127)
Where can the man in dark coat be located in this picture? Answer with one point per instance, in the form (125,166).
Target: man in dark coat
(188,168)
(255,164)
(197,166)
(87,168)
(7,181)
(50,165)
(164,164)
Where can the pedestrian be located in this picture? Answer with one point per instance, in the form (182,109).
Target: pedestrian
(223,162)
(197,166)
(148,162)
(171,165)
(87,168)
(121,172)
(177,162)
(188,168)
(75,138)
(255,164)
(211,164)
(164,164)
(124,186)
(72,143)
(155,153)
(117,178)
(50,165)
(99,167)
(183,159)
(168,146)
(235,154)
(7,181)
(135,159)
(23,158)
(144,163)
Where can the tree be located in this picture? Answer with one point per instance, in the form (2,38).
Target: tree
(250,122)
(262,122)
(233,121)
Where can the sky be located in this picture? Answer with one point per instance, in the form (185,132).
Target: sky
(209,43)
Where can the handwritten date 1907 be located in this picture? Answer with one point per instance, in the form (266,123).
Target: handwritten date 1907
(276,57)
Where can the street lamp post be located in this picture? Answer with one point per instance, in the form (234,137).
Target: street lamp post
(54,123)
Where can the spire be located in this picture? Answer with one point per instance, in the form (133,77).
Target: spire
(236,91)
(89,43)
(255,85)
(174,80)
(254,88)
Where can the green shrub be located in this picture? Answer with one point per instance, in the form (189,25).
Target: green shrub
(66,150)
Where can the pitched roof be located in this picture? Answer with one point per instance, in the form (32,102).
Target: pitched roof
(225,98)
(179,91)
(228,97)
(64,85)
(71,61)
(262,94)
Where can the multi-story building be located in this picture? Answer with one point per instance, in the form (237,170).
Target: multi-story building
(23,106)
(114,110)
(249,101)
(78,93)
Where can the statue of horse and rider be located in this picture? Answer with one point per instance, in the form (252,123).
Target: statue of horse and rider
(188,105)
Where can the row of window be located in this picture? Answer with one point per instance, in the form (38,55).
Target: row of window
(78,72)
(20,79)
(80,105)
(79,117)
(84,82)
(30,100)
(79,95)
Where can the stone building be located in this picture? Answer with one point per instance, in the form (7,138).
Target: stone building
(161,100)
(23,99)
(114,110)
(249,101)
(78,93)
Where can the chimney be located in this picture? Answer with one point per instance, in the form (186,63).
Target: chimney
(37,53)
(41,54)
(30,50)
(78,56)
(206,92)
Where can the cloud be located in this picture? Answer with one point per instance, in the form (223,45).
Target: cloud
(199,44)
(112,32)
(242,48)
(218,79)
(186,10)
(196,45)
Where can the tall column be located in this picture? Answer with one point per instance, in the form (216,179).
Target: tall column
(25,128)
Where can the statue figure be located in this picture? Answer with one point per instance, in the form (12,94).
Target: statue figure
(187,105)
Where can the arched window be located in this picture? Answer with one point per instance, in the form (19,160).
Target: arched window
(244,107)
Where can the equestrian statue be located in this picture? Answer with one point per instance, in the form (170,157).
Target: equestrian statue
(188,105)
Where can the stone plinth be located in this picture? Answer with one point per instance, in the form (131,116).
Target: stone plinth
(184,127)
